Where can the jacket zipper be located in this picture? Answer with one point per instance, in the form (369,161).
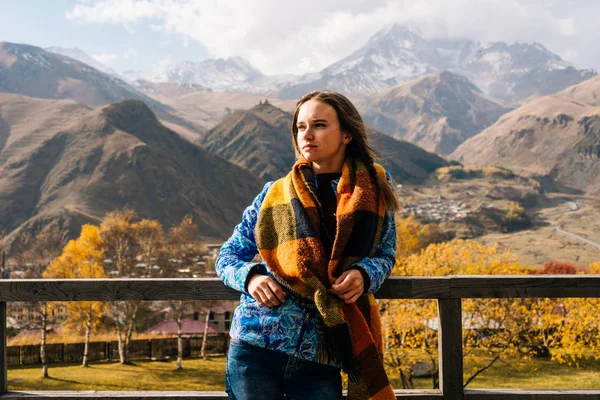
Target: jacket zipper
(306,316)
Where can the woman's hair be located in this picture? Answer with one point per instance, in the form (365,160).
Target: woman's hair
(352,123)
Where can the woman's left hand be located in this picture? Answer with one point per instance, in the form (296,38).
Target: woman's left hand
(349,286)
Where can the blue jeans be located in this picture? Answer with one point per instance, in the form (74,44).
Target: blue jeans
(257,373)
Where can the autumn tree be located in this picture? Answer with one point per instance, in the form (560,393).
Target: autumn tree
(412,236)
(183,249)
(571,331)
(494,326)
(35,252)
(149,238)
(82,258)
(117,231)
(502,329)
(515,218)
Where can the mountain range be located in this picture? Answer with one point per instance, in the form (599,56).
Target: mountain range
(556,136)
(436,112)
(508,73)
(82,56)
(259,140)
(76,140)
(33,71)
(62,161)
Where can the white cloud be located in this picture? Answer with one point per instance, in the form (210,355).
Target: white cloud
(106,58)
(275,35)
(130,53)
(306,65)
(117,11)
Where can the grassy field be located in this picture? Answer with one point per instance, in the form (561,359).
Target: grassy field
(540,374)
(534,374)
(197,374)
(209,374)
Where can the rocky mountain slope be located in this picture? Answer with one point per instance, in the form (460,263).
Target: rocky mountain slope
(436,112)
(259,140)
(556,136)
(35,72)
(62,161)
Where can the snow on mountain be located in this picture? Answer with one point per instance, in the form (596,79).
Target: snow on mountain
(507,73)
(391,55)
(217,74)
(82,56)
(511,73)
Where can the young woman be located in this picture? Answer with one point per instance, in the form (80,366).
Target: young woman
(327,236)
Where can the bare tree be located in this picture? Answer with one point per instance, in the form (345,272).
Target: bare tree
(178,309)
(183,249)
(150,239)
(124,314)
(118,235)
(205,335)
(36,252)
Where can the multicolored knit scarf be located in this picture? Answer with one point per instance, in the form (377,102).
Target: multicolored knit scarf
(288,235)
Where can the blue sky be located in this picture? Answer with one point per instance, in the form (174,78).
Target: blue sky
(43,23)
(288,36)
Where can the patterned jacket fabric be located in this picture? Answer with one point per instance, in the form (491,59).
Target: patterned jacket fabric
(292,327)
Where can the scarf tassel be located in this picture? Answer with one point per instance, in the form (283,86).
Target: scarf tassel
(341,343)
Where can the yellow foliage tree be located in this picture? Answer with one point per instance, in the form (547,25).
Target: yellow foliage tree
(120,243)
(118,234)
(81,258)
(576,331)
(150,240)
(565,329)
(412,236)
(499,328)
(515,218)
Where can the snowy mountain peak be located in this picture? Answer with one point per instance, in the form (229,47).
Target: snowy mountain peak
(32,54)
(404,39)
(218,74)
(395,32)
(243,65)
(82,56)
(508,73)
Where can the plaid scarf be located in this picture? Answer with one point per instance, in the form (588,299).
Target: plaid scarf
(288,239)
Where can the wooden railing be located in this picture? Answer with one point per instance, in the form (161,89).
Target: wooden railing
(449,291)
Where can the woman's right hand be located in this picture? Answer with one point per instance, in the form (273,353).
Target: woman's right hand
(266,291)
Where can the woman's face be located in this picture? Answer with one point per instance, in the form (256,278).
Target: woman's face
(320,138)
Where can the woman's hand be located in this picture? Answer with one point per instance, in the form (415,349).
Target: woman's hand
(266,291)
(349,286)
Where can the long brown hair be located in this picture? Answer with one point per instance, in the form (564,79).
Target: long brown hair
(352,123)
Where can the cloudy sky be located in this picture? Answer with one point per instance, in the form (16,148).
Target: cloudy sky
(288,36)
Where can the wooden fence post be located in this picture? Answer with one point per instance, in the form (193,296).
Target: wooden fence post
(450,349)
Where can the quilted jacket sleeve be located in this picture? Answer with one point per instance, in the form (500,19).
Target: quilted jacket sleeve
(234,263)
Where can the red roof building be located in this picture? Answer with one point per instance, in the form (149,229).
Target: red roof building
(190,328)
